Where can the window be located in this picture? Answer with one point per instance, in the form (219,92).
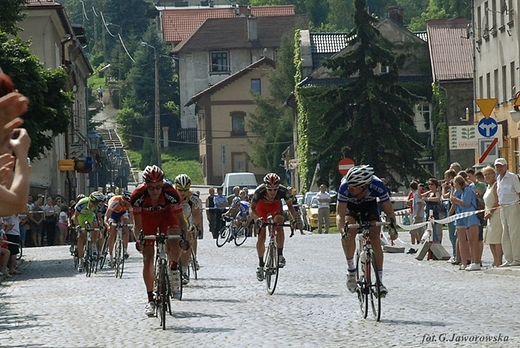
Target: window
(219,62)
(422,117)
(256,86)
(238,123)
(385,69)
(504,83)
(512,72)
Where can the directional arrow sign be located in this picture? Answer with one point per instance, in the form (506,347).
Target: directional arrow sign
(487,127)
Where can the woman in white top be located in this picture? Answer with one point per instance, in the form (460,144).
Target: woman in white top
(493,231)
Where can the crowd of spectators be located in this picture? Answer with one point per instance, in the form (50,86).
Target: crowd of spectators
(459,193)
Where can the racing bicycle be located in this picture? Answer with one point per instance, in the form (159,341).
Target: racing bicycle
(366,271)
(232,231)
(271,268)
(119,257)
(162,287)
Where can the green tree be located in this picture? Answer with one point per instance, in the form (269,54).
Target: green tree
(272,121)
(341,15)
(148,153)
(48,113)
(370,118)
(138,90)
(317,11)
(11,12)
(440,9)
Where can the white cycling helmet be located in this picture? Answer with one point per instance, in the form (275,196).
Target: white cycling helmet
(359,176)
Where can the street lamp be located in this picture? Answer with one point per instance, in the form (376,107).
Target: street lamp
(157,110)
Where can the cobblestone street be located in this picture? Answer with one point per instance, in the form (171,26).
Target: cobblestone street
(429,303)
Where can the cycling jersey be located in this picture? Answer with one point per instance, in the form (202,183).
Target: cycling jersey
(86,212)
(243,209)
(117,206)
(162,215)
(265,206)
(190,203)
(367,206)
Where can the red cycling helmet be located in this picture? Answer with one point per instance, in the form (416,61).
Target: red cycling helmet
(272,179)
(152,174)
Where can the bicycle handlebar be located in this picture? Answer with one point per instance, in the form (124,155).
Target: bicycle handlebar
(169,236)
(357,225)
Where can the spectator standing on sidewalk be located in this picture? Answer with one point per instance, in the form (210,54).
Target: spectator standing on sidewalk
(493,232)
(5,254)
(508,188)
(418,215)
(49,221)
(323,208)
(211,213)
(36,221)
(447,191)
(12,230)
(221,205)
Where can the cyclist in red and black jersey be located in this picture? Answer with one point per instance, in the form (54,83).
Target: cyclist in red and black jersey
(267,200)
(157,204)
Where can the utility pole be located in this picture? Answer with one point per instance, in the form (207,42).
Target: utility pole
(157,109)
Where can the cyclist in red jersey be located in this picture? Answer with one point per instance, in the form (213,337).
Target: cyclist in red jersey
(267,200)
(157,204)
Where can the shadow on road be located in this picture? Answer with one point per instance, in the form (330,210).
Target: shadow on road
(413,322)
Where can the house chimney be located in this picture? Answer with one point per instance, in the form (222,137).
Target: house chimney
(252,28)
(395,13)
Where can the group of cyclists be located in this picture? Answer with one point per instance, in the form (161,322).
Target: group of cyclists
(174,209)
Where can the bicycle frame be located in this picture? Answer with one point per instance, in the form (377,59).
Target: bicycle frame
(367,279)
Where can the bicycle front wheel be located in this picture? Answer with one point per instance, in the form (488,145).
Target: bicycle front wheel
(119,258)
(88,259)
(222,236)
(103,254)
(375,295)
(241,236)
(163,295)
(271,267)
(193,264)
(362,288)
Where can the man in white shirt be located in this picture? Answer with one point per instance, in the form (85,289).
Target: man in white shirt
(508,188)
(323,209)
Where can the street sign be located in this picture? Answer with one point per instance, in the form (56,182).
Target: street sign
(489,150)
(486,106)
(517,100)
(487,127)
(344,165)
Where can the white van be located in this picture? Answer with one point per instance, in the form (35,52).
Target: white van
(242,179)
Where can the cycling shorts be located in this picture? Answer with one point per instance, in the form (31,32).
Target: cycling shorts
(367,211)
(266,208)
(89,217)
(116,217)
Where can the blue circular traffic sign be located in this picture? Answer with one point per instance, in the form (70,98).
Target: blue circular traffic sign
(487,127)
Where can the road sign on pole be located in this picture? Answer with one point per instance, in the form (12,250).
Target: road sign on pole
(344,165)
(486,106)
(488,150)
(487,127)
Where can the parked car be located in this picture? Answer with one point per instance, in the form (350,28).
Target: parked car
(310,210)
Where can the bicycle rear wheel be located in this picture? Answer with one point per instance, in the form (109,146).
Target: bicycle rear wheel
(271,267)
(223,236)
(193,263)
(375,295)
(362,289)
(241,236)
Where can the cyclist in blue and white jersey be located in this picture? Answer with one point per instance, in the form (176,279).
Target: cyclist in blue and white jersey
(359,193)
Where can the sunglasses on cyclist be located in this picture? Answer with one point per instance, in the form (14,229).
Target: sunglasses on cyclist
(185,190)
(272,188)
(152,188)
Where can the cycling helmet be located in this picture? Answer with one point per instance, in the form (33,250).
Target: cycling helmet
(152,174)
(182,182)
(126,195)
(80,196)
(96,197)
(272,179)
(359,176)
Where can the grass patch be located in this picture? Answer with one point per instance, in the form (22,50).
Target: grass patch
(95,81)
(174,162)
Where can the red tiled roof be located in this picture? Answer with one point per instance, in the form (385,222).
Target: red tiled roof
(180,23)
(451,53)
(231,33)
